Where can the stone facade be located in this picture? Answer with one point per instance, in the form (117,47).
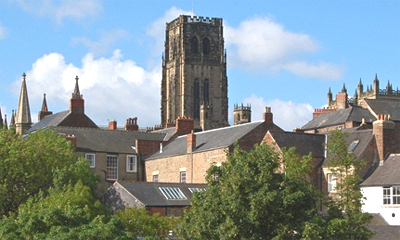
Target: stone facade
(194,80)
(194,164)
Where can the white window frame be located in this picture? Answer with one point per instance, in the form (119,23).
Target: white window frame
(112,167)
(155,177)
(92,162)
(386,196)
(182,176)
(131,166)
(391,196)
(332,182)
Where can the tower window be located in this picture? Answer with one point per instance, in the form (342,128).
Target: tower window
(206,46)
(196,99)
(206,91)
(194,43)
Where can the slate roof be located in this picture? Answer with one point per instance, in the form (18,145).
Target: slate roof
(48,121)
(207,140)
(386,174)
(351,114)
(99,140)
(150,195)
(169,132)
(383,231)
(364,136)
(379,107)
(304,143)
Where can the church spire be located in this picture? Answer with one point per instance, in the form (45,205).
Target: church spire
(44,103)
(44,111)
(77,104)
(76,94)
(5,122)
(23,117)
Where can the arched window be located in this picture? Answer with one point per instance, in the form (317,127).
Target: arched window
(206,91)
(206,46)
(196,99)
(194,43)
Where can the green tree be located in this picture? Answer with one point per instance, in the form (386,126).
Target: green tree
(28,166)
(251,197)
(345,219)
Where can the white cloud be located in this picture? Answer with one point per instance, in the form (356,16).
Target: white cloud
(261,44)
(157,28)
(287,114)
(113,88)
(2,32)
(59,10)
(103,45)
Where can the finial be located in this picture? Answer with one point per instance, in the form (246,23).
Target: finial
(376,77)
(344,88)
(76,94)
(24,75)
(360,83)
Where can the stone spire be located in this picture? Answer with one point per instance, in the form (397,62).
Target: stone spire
(344,90)
(376,85)
(76,94)
(12,121)
(23,119)
(77,104)
(44,111)
(44,103)
(5,122)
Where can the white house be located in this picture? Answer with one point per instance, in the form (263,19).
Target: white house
(382,190)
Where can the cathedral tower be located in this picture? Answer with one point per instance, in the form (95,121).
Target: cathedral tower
(194,81)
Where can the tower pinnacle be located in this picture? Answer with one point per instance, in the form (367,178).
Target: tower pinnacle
(23,119)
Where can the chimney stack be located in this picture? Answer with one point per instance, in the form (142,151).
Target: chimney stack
(268,116)
(191,142)
(112,125)
(131,124)
(184,125)
(384,131)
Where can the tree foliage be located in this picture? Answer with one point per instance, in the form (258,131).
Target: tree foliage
(345,220)
(28,166)
(251,197)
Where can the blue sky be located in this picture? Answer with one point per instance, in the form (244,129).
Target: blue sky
(282,54)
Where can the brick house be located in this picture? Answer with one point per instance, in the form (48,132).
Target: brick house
(186,158)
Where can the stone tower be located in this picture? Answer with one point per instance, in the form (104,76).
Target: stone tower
(241,114)
(23,119)
(194,81)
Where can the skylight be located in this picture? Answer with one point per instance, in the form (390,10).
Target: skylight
(353,145)
(172,193)
(192,190)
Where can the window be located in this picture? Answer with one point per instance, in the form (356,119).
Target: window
(172,193)
(112,167)
(353,145)
(196,99)
(194,43)
(396,195)
(391,195)
(155,178)
(183,176)
(193,190)
(206,91)
(331,182)
(386,196)
(91,159)
(206,46)
(131,163)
